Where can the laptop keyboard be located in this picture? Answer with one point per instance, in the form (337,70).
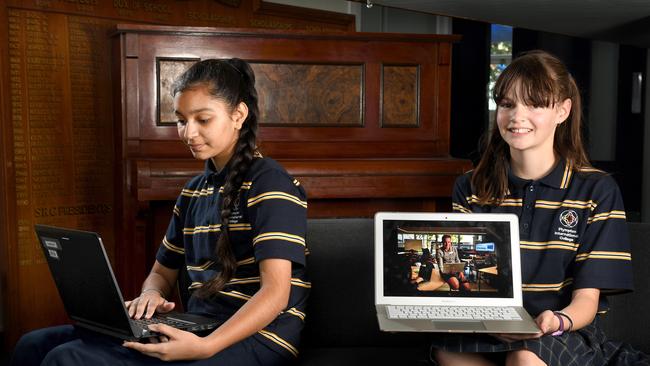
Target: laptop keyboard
(176,323)
(452,312)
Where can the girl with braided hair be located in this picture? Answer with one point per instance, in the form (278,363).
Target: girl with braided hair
(238,229)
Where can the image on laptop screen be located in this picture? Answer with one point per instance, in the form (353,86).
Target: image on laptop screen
(420,262)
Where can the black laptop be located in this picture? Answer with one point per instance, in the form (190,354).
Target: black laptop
(91,297)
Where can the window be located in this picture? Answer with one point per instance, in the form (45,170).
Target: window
(500,57)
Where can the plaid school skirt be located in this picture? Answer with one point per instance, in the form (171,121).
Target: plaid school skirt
(586,346)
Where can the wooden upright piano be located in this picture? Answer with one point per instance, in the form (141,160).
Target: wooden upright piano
(360,119)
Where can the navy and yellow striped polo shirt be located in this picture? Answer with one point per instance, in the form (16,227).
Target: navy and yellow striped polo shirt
(268,221)
(573,234)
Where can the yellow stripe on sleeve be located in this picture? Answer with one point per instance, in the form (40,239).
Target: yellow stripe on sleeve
(276,195)
(279,236)
(544,287)
(615,214)
(279,341)
(236,294)
(172,247)
(300,283)
(460,208)
(296,312)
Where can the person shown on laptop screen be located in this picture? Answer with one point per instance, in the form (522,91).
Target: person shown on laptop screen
(238,229)
(573,237)
(447,257)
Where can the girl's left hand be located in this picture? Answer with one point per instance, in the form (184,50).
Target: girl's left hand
(547,323)
(172,344)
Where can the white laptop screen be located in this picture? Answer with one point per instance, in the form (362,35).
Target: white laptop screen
(447,258)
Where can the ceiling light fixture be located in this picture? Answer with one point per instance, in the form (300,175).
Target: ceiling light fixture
(369,4)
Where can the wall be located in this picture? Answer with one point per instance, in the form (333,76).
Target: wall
(627,167)
(339,6)
(385,19)
(645,194)
(604,95)
(470,77)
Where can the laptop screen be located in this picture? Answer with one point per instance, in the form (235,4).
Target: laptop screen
(448,256)
(84,278)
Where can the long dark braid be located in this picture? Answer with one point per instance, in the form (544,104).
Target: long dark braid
(232,81)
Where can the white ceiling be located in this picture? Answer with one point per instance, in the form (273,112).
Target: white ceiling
(620,21)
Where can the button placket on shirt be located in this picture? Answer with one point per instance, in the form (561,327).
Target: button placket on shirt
(527,214)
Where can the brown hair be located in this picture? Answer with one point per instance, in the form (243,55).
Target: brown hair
(542,80)
(233,82)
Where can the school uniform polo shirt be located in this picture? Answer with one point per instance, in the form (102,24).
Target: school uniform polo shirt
(572,230)
(268,221)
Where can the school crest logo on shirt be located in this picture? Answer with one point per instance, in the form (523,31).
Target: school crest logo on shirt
(569,218)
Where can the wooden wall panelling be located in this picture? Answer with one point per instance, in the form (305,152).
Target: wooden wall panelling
(244,13)
(9,299)
(41,160)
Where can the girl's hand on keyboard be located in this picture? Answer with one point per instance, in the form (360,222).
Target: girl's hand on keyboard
(173,344)
(148,303)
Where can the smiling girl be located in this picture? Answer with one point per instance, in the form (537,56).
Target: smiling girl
(238,229)
(574,240)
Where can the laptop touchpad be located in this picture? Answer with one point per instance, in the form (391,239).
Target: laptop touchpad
(458,325)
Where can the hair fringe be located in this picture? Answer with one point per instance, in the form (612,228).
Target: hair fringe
(543,81)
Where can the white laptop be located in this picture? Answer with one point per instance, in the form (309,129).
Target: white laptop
(480,292)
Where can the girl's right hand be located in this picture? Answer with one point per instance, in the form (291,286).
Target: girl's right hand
(547,322)
(148,303)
